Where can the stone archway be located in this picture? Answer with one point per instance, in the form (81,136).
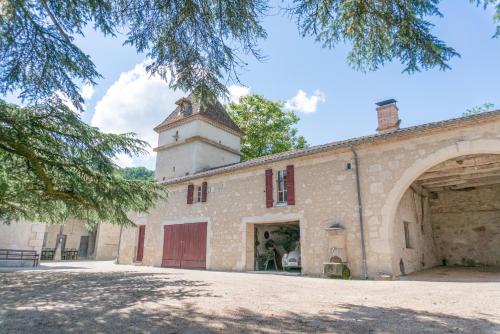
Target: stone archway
(460,148)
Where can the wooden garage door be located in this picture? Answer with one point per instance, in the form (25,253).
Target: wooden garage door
(185,245)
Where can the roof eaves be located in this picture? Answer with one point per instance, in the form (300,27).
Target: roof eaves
(332,146)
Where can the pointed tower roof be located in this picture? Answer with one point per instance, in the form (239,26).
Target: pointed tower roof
(214,112)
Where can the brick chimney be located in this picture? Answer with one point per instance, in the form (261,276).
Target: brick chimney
(387,115)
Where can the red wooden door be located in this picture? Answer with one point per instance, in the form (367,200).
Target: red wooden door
(185,245)
(172,246)
(140,243)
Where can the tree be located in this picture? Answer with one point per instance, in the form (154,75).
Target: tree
(479,109)
(267,126)
(197,44)
(53,166)
(137,173)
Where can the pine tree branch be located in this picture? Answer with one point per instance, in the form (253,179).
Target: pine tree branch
(54,21)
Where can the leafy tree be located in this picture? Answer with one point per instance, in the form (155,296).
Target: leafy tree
(479,109)
(267,126)
(53,166)
(197,44)
(137,173)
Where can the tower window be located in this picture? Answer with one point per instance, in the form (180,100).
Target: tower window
(187,108)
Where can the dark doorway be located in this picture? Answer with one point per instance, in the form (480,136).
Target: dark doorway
(84,246)
(140,243)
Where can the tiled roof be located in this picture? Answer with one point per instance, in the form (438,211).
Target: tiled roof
(213,110)
(336,145)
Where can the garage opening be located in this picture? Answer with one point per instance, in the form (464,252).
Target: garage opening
(450,216)
(185,246)
(277,247)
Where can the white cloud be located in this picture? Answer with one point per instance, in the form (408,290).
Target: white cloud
(136,103)
(304,103)
(87,91)
(236,91)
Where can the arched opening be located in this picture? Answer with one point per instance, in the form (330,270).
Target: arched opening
(449,216)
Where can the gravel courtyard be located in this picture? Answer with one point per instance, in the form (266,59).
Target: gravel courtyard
(100,297)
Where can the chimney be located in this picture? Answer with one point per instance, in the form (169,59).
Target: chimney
(387,115)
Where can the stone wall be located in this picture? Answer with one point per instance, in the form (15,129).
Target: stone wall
(325,194)
(415,211)
(467,226)
(73,229)
(22,236)
(107,240)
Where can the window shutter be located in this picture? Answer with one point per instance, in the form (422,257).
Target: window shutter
(290,184)
(204,192)
(190,194)
(269,188)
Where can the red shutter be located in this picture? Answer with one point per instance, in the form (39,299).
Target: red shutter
(290,184)
(190,194)
(204,192)
(269,188)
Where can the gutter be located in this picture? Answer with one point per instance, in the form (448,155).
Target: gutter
(360,213)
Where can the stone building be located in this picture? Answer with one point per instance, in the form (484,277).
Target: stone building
(395,202)
(100,243)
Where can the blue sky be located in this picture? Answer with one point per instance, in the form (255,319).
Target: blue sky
(124,100)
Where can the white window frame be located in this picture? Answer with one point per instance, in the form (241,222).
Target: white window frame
(198,194)
(282,193)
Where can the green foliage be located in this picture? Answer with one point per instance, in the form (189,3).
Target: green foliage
(192,44)
(267,126)
(479,109)
(53,166)
(379,31)
(137,173)
(346,273)
(196,45)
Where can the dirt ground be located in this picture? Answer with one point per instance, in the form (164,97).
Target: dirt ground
(100,297)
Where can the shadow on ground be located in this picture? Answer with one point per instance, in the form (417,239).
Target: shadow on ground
(458,274)
(131,302)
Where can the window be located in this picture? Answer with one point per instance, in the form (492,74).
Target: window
(198,194)
(187,108)
(282,193)
(406,226)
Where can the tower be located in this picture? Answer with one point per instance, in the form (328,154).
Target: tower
(194,138)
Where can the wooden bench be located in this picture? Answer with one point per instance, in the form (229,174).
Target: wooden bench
(19,255)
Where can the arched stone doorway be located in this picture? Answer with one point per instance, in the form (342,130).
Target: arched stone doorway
(446,180)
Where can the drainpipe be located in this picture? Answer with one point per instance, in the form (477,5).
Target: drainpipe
(360,213)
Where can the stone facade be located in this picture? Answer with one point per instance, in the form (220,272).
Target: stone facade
(103,243)
(22,236)
(325,194)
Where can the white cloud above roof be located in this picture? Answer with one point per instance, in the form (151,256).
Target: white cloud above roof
(237,91)
(302,102)
(136,102)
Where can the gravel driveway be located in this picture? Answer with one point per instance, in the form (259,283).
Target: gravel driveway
(100,297)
